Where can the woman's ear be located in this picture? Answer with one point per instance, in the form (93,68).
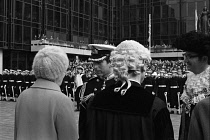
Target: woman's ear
(205,59)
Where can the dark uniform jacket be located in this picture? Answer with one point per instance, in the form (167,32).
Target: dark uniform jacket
(94,85)
(136,115)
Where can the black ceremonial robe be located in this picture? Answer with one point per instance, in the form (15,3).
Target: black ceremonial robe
(137,115)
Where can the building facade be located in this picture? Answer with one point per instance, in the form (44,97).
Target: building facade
(89,21)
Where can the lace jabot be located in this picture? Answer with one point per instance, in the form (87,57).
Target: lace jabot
(197,87)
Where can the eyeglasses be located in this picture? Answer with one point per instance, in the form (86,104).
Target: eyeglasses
(189,56)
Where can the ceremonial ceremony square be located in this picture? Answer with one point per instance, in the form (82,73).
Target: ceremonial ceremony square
(7,113)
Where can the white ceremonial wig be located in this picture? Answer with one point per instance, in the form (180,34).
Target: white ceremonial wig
(50,63)
(129,55)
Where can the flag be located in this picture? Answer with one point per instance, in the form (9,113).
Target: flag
(149,38)
(196,20)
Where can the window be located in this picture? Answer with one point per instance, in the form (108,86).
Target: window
(81,9)
(101,32)
(57,19)
(86,26)
(2,7)
(18,33)
(76,5)
(190,25)
(75,23)
(35,14)
(27,35)
(14,57)
(105,30)
(96,11)
(50,17)
(18,10)
(125,14)
(105,14)
(191,9)
(125,31)
(81,25)
(22,60)
(28,1)
(27,12)
(134,2)
(57,3)
(184,10)
(133,14)
(141,14)
(174,10)
(141,29)
(64,3)
(63,20)
(50,2)
(100,12)
(133,31)
(87,7)
(2,31)
(126,2)
(156,29)
(172,28)
(165,11)
(164,28)
(96,28)
(156,12)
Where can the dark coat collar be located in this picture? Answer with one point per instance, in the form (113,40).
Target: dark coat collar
(135,101)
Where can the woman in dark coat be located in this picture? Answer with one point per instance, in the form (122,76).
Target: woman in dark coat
(126,111)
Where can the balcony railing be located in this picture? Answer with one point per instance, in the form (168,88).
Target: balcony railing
(61,43)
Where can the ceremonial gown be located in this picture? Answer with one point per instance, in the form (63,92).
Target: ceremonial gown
(93,86)
(136,115)
(197,88)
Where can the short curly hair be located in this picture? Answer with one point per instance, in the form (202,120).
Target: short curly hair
(129,55)
(50,63)
(193,41)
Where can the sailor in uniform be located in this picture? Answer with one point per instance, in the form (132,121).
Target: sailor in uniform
(104,78)
(162,86)
(149,83)
(174,93)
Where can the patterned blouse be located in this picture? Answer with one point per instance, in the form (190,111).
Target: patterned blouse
(197,87)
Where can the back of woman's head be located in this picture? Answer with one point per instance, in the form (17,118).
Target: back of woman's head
(129,56)
(50,63)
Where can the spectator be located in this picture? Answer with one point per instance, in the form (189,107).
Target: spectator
(42,112)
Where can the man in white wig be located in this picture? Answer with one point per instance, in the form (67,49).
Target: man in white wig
(125,110)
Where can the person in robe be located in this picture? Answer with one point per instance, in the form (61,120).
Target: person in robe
(125,110)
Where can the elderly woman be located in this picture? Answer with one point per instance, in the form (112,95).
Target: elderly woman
(126,111)
(42,112)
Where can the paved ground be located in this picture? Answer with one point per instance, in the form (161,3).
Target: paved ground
(7,111)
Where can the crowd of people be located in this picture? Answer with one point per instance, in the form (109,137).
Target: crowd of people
(121,94)
(13,82)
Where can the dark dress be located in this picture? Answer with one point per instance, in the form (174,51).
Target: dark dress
(137,115)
